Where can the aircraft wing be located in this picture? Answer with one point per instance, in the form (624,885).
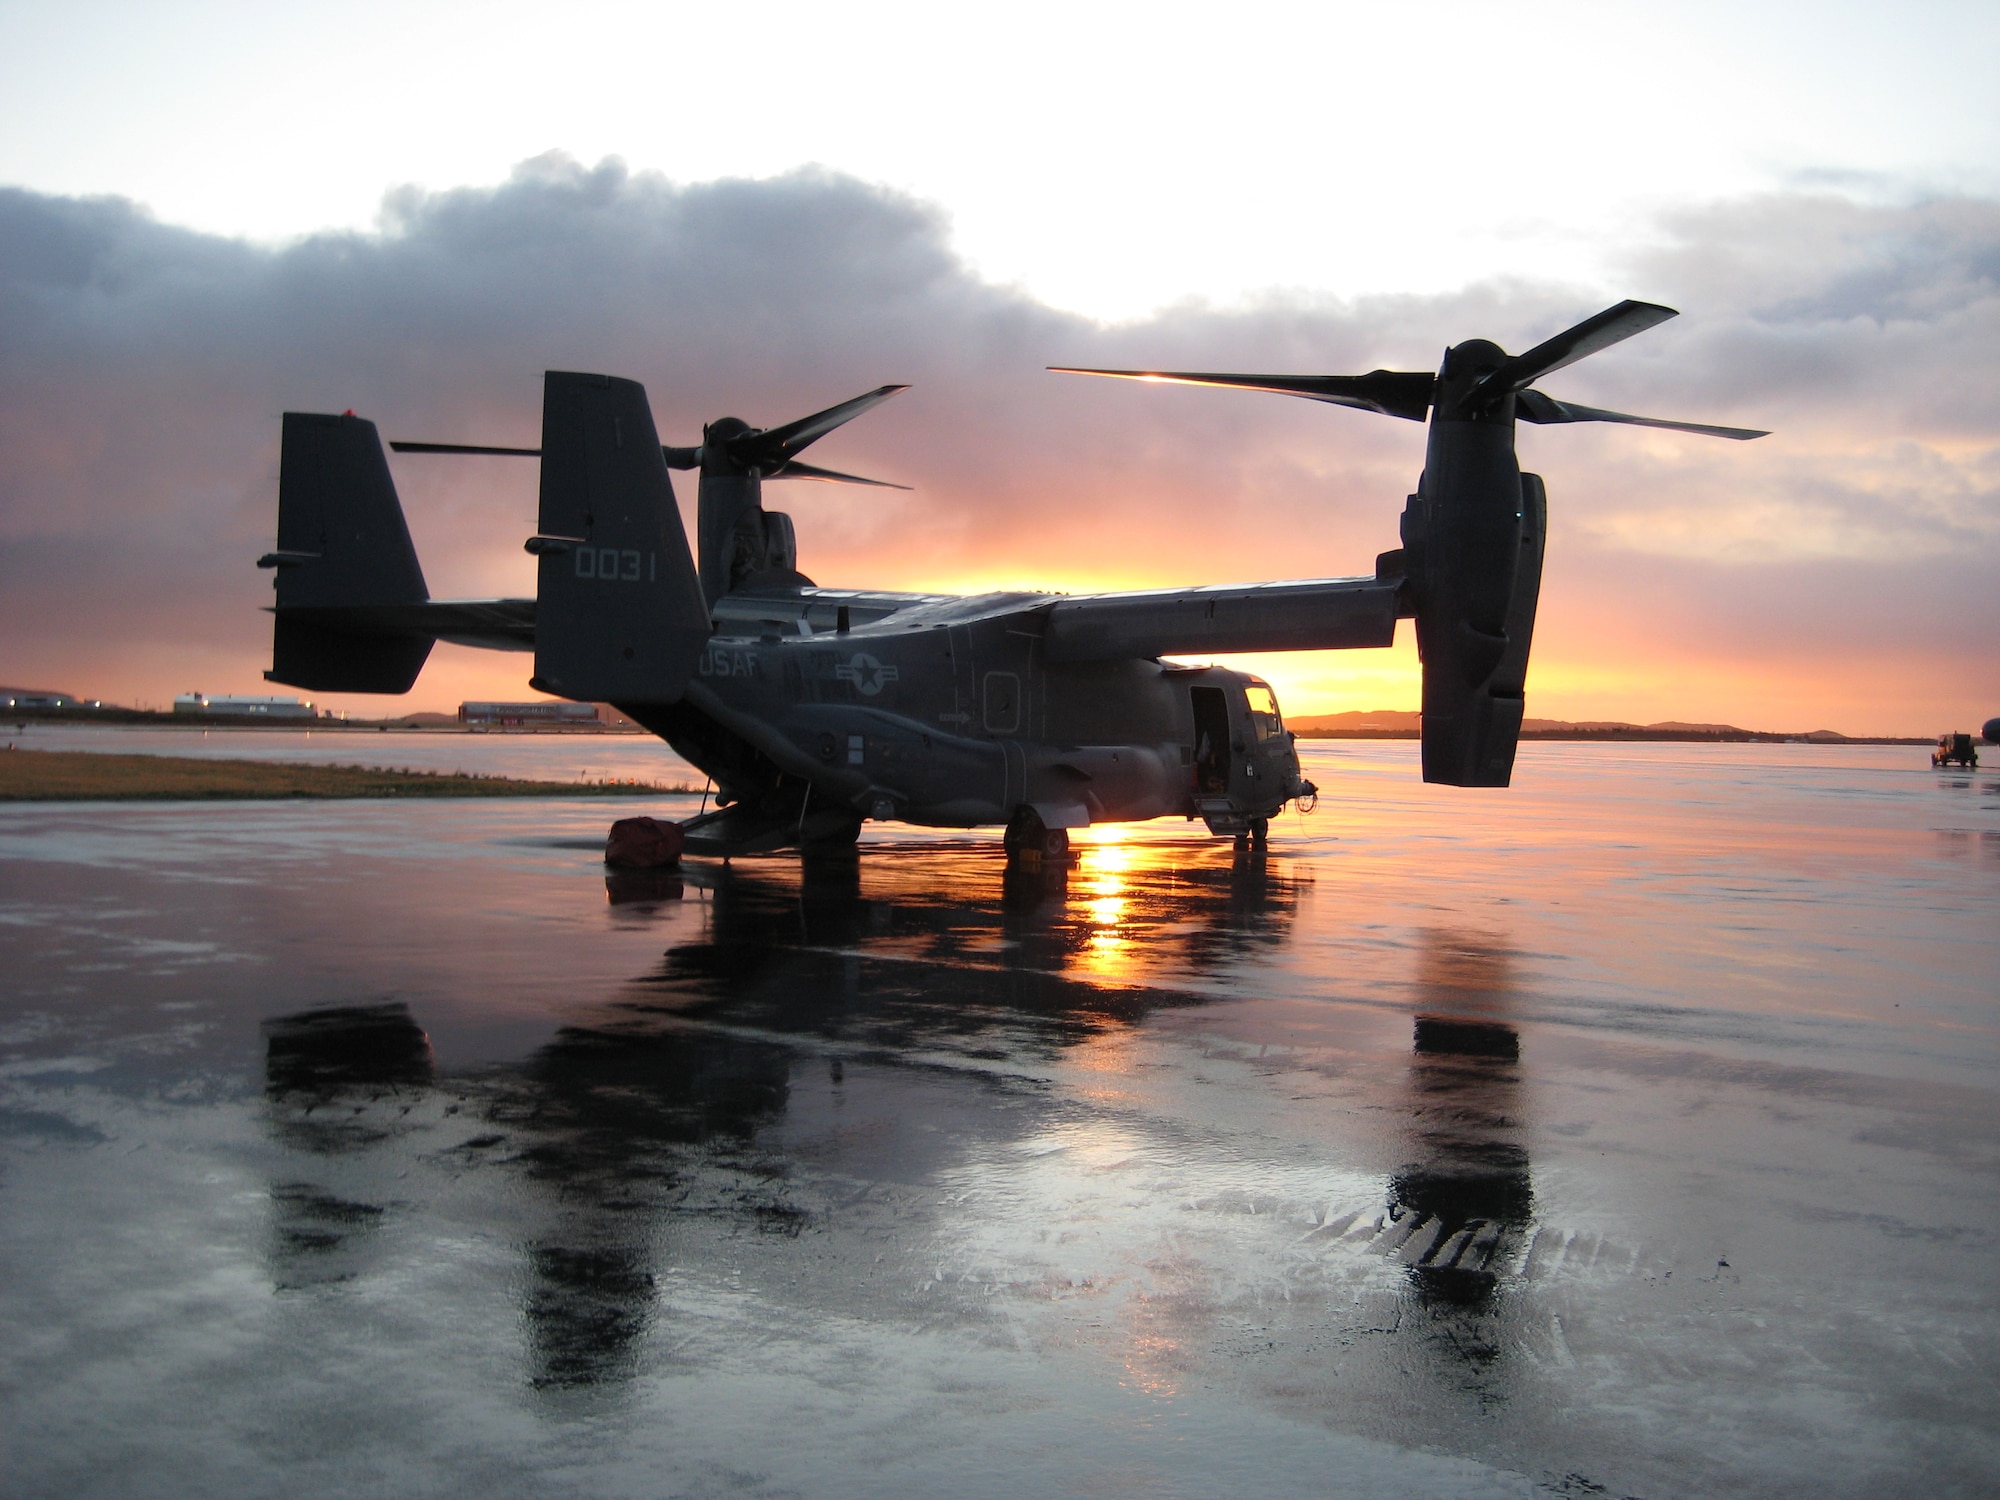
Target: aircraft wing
(1318,614)
(495,624)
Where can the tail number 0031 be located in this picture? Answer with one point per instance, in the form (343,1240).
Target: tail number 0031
(616,565)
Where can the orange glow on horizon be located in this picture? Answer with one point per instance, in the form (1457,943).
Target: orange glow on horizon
(1585,667)
(1575,681)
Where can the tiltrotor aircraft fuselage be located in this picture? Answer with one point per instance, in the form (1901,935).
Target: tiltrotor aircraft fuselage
(813,709)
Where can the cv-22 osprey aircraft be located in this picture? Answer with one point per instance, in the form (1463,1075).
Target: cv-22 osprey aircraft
(813,709)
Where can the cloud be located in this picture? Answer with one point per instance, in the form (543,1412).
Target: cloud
(1852,555)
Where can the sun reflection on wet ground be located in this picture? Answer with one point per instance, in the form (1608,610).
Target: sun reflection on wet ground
(1634,1136)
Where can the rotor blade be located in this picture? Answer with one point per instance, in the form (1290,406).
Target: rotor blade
(1533,406)
(682,458)
(796,470)
(464,448)
(774,445)
(1609,327)
(1393,393)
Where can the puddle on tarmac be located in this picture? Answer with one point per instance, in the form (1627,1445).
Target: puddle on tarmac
(1632,1132)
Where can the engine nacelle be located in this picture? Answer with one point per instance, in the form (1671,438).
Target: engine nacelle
(1476,570)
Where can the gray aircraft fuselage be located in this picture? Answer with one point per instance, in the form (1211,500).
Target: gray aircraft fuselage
(947,712)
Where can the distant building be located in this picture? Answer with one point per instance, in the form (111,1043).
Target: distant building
(549,713)
(11,697)
(243,705)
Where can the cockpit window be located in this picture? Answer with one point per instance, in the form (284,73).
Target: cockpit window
(1264,720)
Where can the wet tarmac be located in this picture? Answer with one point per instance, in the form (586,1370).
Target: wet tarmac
(1632,1133)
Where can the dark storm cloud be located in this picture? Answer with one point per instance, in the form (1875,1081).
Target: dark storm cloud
(143,369)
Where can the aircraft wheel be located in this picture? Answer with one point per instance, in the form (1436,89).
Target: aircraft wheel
(1260,831)
(831,835)
(1029,837)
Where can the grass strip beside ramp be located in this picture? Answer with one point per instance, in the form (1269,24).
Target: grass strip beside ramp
(86,776)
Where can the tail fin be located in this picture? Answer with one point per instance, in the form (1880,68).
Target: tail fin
(619,612)
(343,548)
(341,534)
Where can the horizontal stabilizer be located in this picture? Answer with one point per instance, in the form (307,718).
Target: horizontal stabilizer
(475,449)
(323,660)
(490,624)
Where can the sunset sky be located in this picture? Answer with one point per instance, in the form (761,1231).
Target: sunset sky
(213,213)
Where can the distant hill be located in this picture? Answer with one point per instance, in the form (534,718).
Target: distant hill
(1407,724)
(1385,723)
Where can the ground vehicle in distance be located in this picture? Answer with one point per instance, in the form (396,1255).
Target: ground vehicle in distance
(1956,749)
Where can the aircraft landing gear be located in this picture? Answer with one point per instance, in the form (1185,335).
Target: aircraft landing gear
(834,832)
(1028,838)
(1256,836)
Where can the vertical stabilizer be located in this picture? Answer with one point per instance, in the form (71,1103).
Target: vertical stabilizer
(343,548)
(342,539)
(619,613)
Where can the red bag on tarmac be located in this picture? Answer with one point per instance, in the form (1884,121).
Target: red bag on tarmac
(643,844)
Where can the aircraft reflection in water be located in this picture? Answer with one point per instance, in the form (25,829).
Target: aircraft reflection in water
(616,1132)
(337,1083)
(633,1134)
(1123,914)
(1458,1206)
(1468,1184)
